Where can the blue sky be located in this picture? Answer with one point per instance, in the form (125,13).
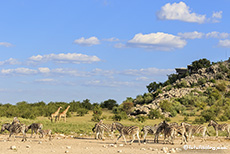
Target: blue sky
(55,50)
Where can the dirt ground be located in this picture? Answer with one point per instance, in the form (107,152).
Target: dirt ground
(88,145)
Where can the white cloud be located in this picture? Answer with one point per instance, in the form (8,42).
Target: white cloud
(6,44)
(110,83)
(179,11)
(20,71)
(157,41)
(45,80)
(87,42)
(217,14)
(113,39)
(191,35)
(218,35)
(65,58)
(10,61)
(224,43)
(44,69)
(119,45)
(148,72)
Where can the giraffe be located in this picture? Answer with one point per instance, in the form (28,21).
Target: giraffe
(55,114)
(63,114)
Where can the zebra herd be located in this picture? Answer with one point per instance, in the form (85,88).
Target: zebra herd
(17,127)
(169,130)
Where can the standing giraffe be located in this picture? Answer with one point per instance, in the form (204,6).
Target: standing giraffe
(55,114)
(63,114)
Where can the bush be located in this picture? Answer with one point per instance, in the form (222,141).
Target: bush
(200,120)
(97,112)
(185,118)
(154,114)
(117,117)
(82,111)
(141,118)
(221,87)
(223,118)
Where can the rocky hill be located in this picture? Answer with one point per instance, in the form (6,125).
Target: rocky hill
(196,84)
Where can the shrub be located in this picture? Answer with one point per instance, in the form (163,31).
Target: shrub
(141,118)
(201,81)
(97,112)
(223,118)
(117,117)
(221,87)
(82,111)
(185,118)
(199,120)
(166,106)
(154,114)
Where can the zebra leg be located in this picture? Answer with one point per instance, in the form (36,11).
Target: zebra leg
(96,136)
(102,135)
(138,138)
(145,136)
(216,133)
(156,138)
(124,139)
(112,135)
(118,138)
(132,139)
(227,132)
(31,133)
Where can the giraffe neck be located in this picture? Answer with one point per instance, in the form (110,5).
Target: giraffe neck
(64,112)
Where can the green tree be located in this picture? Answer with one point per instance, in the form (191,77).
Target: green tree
(198,64)
(109,104)
(97,112)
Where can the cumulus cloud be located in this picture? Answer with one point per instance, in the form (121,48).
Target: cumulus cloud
(179,11)
(157,41)
(224,43)
(10,61)
(87,42)
(65,58)
(191,35)
(6,44)
(113,39)
(218,35)
(148,72)
(110,83)
(19,71)
(217,14)
(44,69)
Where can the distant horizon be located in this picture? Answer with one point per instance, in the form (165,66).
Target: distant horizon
(103,49)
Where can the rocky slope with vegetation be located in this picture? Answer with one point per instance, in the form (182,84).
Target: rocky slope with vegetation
(203,92)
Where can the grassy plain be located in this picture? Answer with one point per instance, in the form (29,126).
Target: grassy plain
(77,125)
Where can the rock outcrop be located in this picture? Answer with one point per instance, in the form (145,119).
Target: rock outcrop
(205,74)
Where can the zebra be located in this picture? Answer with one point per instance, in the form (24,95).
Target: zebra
(35,127)
(221,127)
(169,132)
(150,130)
(99,128)
(182,131)
(126,130)
(5,126)
(16,127)
(196,129)
(47,132)
(160,128)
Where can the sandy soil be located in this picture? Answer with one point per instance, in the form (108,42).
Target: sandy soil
(88,145)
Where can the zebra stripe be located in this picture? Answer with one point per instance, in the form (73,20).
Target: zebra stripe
(126,130)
